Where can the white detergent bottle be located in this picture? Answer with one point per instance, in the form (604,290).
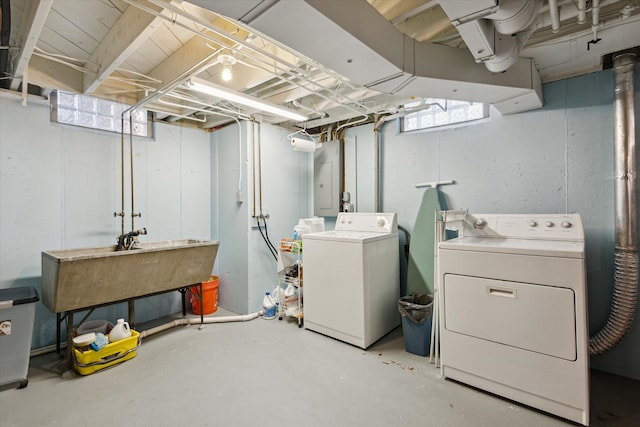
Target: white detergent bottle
(291,294)
(120,331)
(269,307)
(278,295)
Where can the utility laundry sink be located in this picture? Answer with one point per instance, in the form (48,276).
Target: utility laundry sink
(74,279)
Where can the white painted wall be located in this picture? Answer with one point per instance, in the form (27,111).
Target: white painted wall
(60,185)
(553,160)
(246,268)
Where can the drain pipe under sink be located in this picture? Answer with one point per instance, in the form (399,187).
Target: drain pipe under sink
(196,321)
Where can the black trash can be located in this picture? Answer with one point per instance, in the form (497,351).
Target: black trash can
(416,311)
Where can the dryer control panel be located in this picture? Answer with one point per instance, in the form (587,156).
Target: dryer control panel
(364,221)
(525,226)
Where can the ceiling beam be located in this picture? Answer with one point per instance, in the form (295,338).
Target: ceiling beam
(130,31)
(33,19)
(51,74)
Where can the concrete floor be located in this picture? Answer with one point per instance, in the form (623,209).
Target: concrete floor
(271,373)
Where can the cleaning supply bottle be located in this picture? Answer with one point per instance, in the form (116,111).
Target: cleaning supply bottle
(120,331)
(269,307)
(278,294)
(291,294)
(100,342)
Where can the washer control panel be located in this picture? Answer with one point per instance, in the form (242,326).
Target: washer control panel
(525,226)
(364,221)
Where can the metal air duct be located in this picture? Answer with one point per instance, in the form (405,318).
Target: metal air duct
(488,28)
(625,288)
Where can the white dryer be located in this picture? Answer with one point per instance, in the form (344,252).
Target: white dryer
(352,278)
(514,311)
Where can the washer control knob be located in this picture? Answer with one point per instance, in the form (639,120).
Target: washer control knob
(533,223)
(549,224)
(480,223)
(565,224)
(381,222)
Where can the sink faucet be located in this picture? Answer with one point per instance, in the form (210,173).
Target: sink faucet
(128,240)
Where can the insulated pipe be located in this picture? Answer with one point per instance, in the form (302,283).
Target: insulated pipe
(555,16)
(625,288)
(195,321)
(582,11)
(595,18)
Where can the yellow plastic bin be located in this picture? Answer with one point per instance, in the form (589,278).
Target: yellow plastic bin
(88,361)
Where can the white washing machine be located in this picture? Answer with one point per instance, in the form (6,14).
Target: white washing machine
(514,311)
(352,278)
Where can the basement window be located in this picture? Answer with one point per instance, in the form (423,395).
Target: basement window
(95,113)
(438,112)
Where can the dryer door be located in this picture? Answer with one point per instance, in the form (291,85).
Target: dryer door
(527,316)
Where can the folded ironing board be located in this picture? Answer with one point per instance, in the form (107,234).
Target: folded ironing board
(420,268)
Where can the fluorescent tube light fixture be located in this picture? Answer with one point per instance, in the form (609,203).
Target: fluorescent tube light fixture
(208,88)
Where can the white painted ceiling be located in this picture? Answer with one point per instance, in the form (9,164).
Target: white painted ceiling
(335,61)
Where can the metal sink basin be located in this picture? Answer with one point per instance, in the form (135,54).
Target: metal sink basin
(74,279)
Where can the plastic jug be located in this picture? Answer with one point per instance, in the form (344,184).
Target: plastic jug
(291,294)
(120,331)
(278,294)
(269,307)
(299,230)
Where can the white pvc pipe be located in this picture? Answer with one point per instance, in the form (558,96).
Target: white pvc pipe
(196,321)
(595,18)
(555,16)
(595,12)
(582,11)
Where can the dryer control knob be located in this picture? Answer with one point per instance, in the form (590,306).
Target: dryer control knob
(381,222)
(565,224)
(533,223)
(480,223)
(549,224)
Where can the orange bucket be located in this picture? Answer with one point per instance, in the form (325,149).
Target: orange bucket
(209,296)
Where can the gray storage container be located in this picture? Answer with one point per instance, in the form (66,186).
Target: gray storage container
(17,314)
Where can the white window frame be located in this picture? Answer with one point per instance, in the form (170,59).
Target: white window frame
(99,114)
(441,113)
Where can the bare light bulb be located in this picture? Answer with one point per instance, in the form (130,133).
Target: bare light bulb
(226,73)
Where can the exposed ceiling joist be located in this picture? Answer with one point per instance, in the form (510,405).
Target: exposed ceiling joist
(127,35)
(331,59)
(33,20)
(51,74)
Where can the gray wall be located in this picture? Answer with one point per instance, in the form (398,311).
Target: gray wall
(59,188)
(246,268)
(553,160)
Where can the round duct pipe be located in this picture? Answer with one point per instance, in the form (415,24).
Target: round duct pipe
(514,16)
(625,288)
(507,54)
